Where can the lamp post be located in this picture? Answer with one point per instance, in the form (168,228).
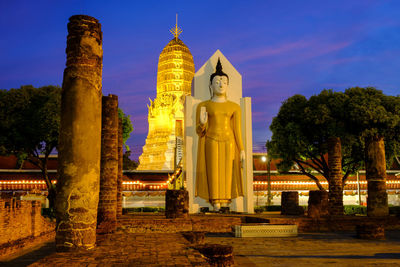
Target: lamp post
(268,180)
(358,188)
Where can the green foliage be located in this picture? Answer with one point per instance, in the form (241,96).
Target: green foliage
(29,125)
(370,114)
(30,119)
(49,213)
(127,127)
(394,210)
(302,127)
(144,209)
(355,209)
(127,163)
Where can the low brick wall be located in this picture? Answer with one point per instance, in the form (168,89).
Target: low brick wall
(22,225)
(159,224)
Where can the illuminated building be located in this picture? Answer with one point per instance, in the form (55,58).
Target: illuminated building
(163,148)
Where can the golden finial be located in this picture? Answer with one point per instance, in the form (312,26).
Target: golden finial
(176,31)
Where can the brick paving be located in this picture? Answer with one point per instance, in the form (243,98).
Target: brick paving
(118,250)
(153,248)
(313,249)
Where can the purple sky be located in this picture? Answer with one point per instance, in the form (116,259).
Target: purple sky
(281,48)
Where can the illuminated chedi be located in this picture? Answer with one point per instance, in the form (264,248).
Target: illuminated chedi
(163,147)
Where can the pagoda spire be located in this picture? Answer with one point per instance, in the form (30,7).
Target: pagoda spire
(176,31)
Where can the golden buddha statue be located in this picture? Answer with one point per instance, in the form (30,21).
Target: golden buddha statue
(221,154)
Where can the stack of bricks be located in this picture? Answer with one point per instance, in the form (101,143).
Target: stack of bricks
(290,203)
(317,204)
(22,225)
(120,167)
(107,209)
(335,177)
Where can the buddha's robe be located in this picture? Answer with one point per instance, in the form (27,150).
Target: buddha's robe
(219,173)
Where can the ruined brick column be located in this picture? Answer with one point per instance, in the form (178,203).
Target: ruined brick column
(177,204)
(80,136)
(290,203)
(107,212)
(335,176)
(375,166)
(317,204)
(120,162)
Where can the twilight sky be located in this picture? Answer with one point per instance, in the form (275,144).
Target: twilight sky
(281,48)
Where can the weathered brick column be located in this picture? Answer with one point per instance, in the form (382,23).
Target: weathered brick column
(120,162)
(177,204)
(80,136)
(375,166)
(317,204)
(290,203)
(107,212)
(335,176)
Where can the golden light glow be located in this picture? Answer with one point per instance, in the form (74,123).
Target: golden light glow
(174,77)
(139,185)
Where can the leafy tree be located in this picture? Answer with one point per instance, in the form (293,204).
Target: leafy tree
(375,118)
(302,128)
(300,134)
(29,126)
(127,163)
(29,123)
(372,114)
(127,127)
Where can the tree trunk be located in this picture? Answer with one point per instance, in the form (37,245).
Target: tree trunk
(107,211)
(375,166)
(50,188)
(80,136)
(335,176)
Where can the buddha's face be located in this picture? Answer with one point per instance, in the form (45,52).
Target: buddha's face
(219,85)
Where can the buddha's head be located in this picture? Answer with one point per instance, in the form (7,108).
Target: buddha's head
(219,81)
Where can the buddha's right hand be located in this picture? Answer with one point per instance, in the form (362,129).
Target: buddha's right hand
(203,116)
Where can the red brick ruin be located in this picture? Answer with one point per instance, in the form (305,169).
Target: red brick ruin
(120,162)
(335,177)
(375,167)
(80,136)
(107,210)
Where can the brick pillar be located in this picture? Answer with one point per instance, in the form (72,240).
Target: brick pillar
(375,166)
(80,136)
(120,161)
(290,203)
(177,204)
(107,212)
(317,204)
(335,176)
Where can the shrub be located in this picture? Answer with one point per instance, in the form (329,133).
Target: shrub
(355,209)
(144,209)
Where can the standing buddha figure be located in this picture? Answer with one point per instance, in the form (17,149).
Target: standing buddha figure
(221,154)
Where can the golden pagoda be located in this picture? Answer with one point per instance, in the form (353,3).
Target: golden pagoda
(163,148)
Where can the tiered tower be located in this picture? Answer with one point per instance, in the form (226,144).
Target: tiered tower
(163,148)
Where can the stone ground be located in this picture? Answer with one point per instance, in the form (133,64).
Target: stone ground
(313,249)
